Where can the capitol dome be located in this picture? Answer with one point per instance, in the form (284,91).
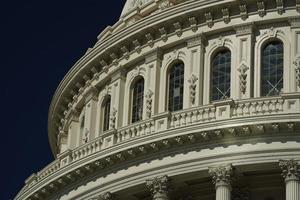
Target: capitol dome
(180,100)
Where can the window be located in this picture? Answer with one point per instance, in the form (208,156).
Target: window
(137,100)
(220,76)
(82,125)
(106,114)
(272,69)
(176,83)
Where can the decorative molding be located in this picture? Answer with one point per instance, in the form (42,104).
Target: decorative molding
(163,34)
(198,40)
(175,54)
(244,29)
(226,16)
(261,8)
(112,119)
(137,46)
(105,196)
(272,32)
(148,96)
(159,187)
(243,77)
(209,19)
(125,52)
(290,169)
(297,70)
(221,175)
(221,41)
(295,21)
(192,81)
(193,23)
(164,4)
(178,28)
(137,71)
(280,9)
(243,11)
(150,39)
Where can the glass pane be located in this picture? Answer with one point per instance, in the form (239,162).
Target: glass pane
(220,80)
(106,115)
(176,79)
(272,69)
(137,100)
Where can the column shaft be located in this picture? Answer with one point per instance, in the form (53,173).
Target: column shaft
(292,190)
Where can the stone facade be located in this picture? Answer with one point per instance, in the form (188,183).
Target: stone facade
(204,150)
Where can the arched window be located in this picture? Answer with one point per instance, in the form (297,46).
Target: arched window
(272,69)
(106,113)
(137,100)
(176,83)
(220,75)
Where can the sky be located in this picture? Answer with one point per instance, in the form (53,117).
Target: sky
(40,42)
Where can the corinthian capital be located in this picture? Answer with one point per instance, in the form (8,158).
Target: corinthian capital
(290,169)
(221,175)
(159,187)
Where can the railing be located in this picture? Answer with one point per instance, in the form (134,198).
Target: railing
(228,109)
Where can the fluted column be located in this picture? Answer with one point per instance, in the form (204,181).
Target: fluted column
(159,187)
(290,172)
(221,176)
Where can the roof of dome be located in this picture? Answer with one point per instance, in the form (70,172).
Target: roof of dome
(132,4)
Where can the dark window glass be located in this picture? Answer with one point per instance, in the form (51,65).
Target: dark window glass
(176,79)
(272,69)
(106,114)
(220,80)
(137,100)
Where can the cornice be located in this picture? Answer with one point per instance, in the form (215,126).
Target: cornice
(151,144)
(91,58)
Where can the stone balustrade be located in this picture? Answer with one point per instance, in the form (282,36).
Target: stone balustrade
(227,109)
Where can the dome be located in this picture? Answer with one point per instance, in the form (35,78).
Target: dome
(181,100)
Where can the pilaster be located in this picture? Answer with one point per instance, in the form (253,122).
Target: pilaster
(244,66)
(159,187)
(153,62)
(73,132)
(117,99)
(195,47)
(291,174)
(91,99)
(221,177)
(295,55)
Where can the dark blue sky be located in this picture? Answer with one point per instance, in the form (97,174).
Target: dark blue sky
(40,41)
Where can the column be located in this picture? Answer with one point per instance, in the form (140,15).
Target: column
(290,172)
(159,187)
(196,47)
(243,73)
(221,176)
(91,99)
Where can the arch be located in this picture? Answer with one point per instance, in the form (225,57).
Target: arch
(175,85)
(271,67)
(220,74)
(218,45)
(266,37)
(137,99)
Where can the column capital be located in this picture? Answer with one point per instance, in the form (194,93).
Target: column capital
(198,40)
(244,29)
(290,169)
(159,187)
(221,175)
(106,196)
(154,55)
